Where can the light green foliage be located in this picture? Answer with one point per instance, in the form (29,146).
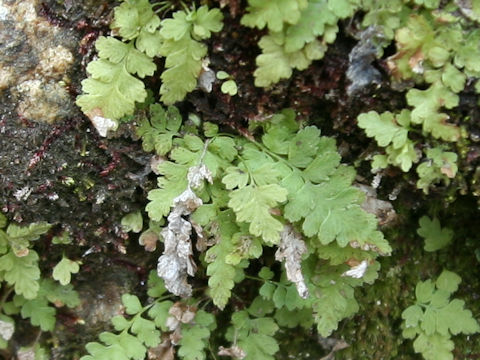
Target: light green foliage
(426,105)
(62,272)
(275,64)
(290,309)
(439,166)
(435,236)
(252,204)
(343,8)
(19,263)
(385,128)
(467,55)
(438,52)
(63,239)
(273,13)
(24,292)
(280,174)
(391,131)
(135,20)
(229,86)
(336,302)
(387,15)
(290,175)
(431,4)
(434,318)
(254,335)
(221,274)
(292,39)
(38,309)
(132,222)
(18,238)
(295,166)
(158,130)
(142,326)
(418,44)
(3,221)
(136,332)
(195,336)
(112,89)
(183,50)
(39,313)
(59,295)
(21,272)
(334,299)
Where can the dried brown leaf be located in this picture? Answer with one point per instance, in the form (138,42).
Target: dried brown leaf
(6,329)
(233,351)
(290,250)
(196,175)
(164,351)
(339,345)
(180,313)
(148,239)
(177,261)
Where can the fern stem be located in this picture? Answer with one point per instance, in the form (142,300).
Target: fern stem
(5,296)
(250,175)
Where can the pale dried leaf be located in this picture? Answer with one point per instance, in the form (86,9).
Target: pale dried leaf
(176,261)
(148,239)
(416,62)
(383,210)
(6,329)
(155,162)
(338,345)
(103,125)
(196,175)
(180,313)
(206,79)
(176,336)
(201,243)
(448,171)
(233,351)
(357,271)
(187,202)
(26,354)
(290,250)
(164,351)
(21,252)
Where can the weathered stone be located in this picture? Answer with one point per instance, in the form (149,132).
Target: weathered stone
(35,60)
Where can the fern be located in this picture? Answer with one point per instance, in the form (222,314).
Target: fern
(435,318)
(391,131)
(158,131)
(112,90)
(435,236)
(38,309)
(439,166)
(136,331)
(24,291)
(256,190)
(254,336)
(143,327)
(19,263)
(183,50)
(195,336)
(273,14)
(294,27)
